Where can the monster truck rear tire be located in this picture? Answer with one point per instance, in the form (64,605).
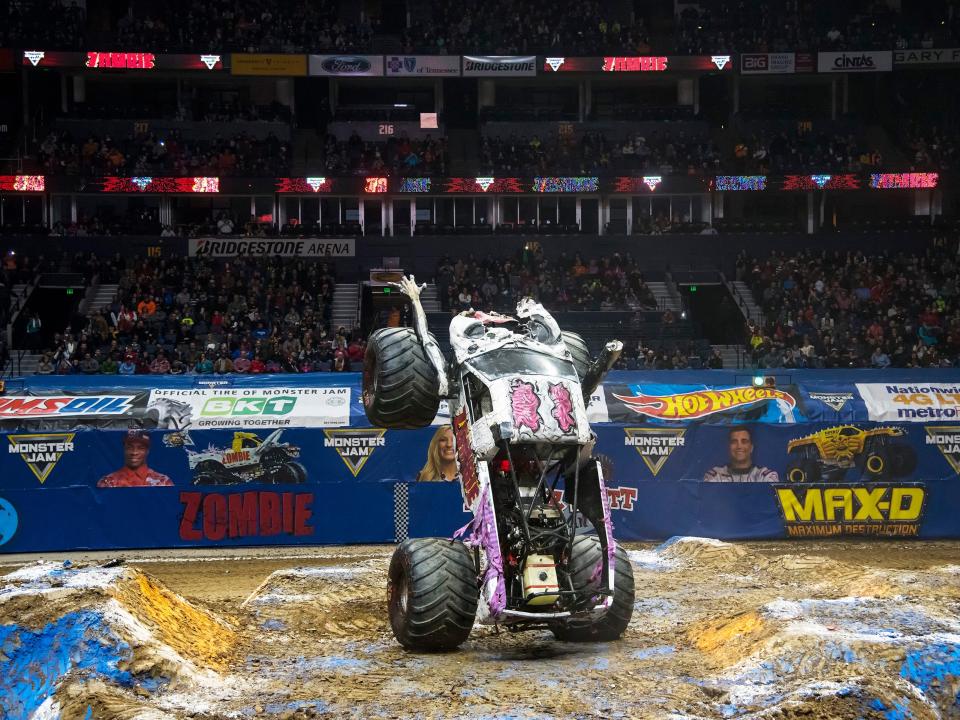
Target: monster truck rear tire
(903,460)
(290,473)
(877,463)
(803,470)
(400,388)
(433,593)
(210,472)
(579,352)
(611,626)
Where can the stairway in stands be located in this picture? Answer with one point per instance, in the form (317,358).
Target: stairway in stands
(666,300)
(346,299)
(734,356)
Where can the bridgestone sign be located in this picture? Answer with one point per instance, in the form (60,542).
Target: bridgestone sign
(217,247)
(499,65)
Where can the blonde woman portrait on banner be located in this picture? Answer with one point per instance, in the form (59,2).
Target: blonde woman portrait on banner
(441,462)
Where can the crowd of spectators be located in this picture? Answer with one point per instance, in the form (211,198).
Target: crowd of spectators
(567,283)
(207,317)
(930,146)
(192,110)
(852,309)
(804,150)
(800,25)
(167,154)
(465,26)
(515,27)
(398,156)
(664,152)
(281,26)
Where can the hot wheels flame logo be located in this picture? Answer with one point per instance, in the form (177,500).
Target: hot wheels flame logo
(525,405)
(700,403)
(562,410)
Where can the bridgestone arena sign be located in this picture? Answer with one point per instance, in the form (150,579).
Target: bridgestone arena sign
(499,65)
(217,247)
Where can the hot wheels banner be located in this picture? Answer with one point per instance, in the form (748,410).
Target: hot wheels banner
(658,403)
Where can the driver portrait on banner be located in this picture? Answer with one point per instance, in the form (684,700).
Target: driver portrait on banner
(740,466)
(135,472)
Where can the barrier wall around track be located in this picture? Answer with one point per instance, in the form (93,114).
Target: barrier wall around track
(880,458)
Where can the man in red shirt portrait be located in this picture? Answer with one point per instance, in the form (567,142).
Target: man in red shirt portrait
(135,473)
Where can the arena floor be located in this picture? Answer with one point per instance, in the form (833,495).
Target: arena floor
(746,630)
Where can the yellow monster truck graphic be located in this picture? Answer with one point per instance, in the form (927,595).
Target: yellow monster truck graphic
(877,453)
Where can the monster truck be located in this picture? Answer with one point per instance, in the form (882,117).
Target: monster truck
(877,453)
(248,459)
(517,388)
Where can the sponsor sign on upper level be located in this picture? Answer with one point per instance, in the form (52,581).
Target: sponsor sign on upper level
(499,65)
(347,65)
(855,61)
(423,65)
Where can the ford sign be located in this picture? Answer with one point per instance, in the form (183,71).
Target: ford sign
(346,65)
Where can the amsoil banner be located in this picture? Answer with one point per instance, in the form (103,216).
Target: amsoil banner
(262,64)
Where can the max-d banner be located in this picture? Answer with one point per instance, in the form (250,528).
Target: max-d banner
(304,247)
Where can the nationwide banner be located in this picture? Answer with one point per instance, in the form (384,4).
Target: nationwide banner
(855,61)
(263,64)
(278,247)
(911,402)
(423,65)
(499,65)
(347,65)
(932,56)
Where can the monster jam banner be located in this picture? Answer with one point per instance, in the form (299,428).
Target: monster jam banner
(260,486)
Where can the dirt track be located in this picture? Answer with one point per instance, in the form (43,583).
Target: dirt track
(839,630)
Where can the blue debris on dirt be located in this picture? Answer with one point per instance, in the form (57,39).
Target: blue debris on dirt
(32,662)
(934,669)
(646,653)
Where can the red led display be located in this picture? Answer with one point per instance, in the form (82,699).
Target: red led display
(160,185)
(375,185)
(483,185)
(899,181)
(23,183)
(304,185)
(845,181)
(637,63)
(121,60)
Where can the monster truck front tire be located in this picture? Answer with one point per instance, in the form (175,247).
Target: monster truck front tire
(579,352)
(433,593)
(877,461)
(290,473)
(587,552)
(400,386)
(803,470)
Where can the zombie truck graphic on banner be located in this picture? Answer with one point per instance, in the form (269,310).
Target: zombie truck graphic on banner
(657,403)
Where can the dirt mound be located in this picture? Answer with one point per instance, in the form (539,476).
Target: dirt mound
(62,625)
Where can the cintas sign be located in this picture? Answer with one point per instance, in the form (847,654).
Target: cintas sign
(855,61)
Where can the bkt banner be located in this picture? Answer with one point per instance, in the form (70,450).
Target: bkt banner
(283,460)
